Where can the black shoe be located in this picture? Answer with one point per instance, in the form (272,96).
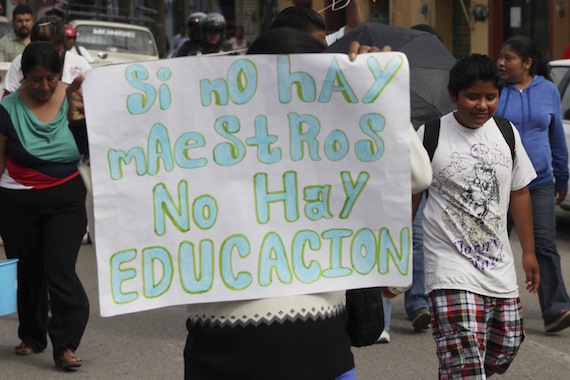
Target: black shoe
(421,319)
(561,321)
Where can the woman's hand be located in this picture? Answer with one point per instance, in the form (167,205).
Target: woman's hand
(76,110)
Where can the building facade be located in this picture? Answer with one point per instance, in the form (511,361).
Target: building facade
(468,26)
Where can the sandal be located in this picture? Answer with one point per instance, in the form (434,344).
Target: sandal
(24,350)
(68,360)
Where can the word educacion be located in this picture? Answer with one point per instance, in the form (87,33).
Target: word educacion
(307,261)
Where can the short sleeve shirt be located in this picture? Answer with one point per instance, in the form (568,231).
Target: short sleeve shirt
(466,245)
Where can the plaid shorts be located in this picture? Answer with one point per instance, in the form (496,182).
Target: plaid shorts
(476,335)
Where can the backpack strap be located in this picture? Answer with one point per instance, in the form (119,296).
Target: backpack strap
(507,132)
(431,136)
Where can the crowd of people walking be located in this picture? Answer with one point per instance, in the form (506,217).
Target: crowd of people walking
(464,282)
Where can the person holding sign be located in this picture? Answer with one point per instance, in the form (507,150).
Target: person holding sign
(296,337)
(476,312)
(308,20)
(42,198)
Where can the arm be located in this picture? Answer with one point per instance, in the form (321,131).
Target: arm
(521,211)
(14,77)
(559,150)
(76,114)
(75,111)
(353,15)
(85,54)
(416,199)
(3,140)
(3,49)
(420,164)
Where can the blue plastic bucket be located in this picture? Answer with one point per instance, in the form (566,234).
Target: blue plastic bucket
(8,286)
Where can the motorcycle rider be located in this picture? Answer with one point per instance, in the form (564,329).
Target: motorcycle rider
(191,46)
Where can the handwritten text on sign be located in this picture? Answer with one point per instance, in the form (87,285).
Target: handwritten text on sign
(225,178)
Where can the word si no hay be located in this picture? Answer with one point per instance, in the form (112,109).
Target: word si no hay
(242,81)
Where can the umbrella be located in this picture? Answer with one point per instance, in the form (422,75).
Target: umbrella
(429,59)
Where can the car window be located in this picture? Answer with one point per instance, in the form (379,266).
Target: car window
(557,73)
(121,40)
(561,77)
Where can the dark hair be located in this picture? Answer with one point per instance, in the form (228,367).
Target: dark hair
(41,53)
(427,28)
(301,18)
(285,41)
(526,48)
(22,9)
(49,29)
(473,68)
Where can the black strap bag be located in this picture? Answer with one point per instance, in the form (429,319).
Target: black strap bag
(365,316)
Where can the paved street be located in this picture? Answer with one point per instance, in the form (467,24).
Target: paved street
(149,345)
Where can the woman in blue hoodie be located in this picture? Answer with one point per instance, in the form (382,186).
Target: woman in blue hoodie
(532,103)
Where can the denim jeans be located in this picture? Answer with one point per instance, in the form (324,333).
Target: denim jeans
(415,297)
(387,306)
(552,292)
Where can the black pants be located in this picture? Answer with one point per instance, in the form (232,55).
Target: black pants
(44,230)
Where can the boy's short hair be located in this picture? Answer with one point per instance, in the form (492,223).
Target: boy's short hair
(22,9)
(473,68)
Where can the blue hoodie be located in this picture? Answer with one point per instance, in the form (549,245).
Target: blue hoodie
(537,114)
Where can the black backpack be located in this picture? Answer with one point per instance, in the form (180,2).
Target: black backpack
(431,135)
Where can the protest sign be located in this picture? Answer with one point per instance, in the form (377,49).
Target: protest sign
(242,177)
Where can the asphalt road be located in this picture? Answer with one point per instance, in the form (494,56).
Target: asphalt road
(149,345)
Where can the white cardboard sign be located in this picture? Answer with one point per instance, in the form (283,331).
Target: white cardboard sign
(242,177)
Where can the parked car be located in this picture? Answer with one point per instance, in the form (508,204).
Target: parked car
(561,77)
(113,42)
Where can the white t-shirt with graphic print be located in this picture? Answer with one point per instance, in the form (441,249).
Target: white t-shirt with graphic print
(466,245)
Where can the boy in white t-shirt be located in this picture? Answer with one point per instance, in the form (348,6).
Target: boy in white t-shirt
(476,312)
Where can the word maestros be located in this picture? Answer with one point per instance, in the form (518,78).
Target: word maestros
(199,263)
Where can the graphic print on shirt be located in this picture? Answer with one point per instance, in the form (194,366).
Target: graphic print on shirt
(473,211)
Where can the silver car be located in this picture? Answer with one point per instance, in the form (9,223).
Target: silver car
(113,42)
(561,77)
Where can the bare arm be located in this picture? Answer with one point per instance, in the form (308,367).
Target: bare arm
(76,111)
(416,199)
(521,211)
